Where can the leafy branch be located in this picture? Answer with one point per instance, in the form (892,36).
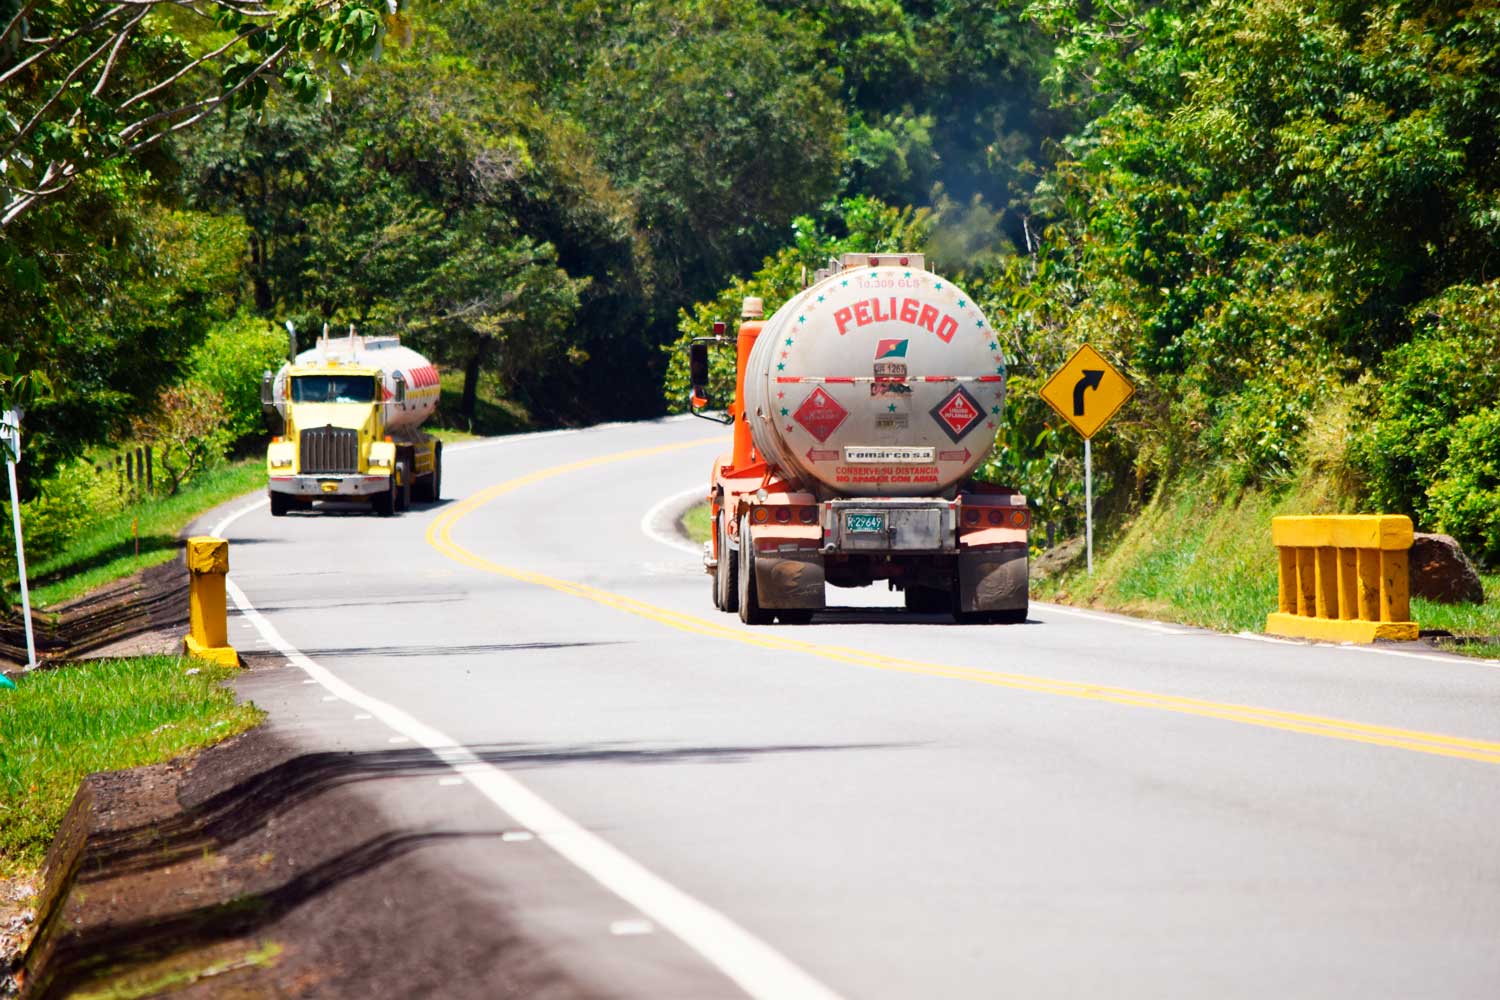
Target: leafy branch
(84,82)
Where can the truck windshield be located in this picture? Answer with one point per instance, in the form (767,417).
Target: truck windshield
(333,389)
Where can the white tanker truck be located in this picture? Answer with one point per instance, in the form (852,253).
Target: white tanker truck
(347,416)
(863,407)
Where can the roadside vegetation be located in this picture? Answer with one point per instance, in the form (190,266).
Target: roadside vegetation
(56,726)
(1277,218)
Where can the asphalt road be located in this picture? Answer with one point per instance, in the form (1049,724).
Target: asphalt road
(669,803)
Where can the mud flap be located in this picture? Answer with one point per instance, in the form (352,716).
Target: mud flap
(789,580)
(992,579)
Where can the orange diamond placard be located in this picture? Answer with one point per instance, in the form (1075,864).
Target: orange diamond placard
(1087,391)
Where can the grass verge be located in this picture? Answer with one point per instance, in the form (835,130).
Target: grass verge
(695,522)
(1192,558)
(107,551)
(59,725)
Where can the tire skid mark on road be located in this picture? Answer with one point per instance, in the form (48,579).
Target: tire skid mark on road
(439,535)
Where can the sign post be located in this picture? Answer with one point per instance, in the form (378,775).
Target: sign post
(1087,392)
(10,431)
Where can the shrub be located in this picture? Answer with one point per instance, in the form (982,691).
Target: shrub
(1448,371)
(189,427)
(1466,497)
(231,360)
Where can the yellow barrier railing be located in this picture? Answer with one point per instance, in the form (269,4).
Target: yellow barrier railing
(208,564)
(1343,578)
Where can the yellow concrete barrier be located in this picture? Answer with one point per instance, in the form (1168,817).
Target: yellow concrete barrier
(208,564)
(1343,578)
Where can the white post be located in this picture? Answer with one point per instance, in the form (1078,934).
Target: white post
(1088,499)
(12,429)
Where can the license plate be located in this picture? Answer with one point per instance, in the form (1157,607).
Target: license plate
(858,523)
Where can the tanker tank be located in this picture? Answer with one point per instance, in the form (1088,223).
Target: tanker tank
(876,381)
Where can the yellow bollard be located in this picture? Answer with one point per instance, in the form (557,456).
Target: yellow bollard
(1343,578)
(208,564)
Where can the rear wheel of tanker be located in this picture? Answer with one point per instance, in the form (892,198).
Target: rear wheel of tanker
(750,610)
(280,504)
(435,487)
(926,600)
(726,584)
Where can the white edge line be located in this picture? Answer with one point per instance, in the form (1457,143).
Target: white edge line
(1113,619)
(651,521)
(758,969)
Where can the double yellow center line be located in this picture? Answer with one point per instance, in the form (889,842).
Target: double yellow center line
(440,536)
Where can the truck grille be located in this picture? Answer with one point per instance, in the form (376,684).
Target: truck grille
(329,449)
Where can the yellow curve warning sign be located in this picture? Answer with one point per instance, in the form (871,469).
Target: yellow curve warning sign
(1087,391)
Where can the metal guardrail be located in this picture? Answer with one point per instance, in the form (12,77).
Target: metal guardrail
(1343,578)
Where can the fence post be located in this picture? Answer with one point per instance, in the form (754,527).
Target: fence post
(208,564)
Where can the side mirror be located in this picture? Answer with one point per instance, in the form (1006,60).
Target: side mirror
(698,370)
(274,421)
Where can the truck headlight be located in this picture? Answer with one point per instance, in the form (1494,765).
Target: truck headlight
(281,462)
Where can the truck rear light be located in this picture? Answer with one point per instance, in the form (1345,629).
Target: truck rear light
(905,261)
(1020,518)
(808,515)
(997,517)
(783,515)
(760,515)
(971,516)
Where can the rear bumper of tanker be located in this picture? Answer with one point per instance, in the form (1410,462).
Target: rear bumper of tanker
(981,563)
(340,487)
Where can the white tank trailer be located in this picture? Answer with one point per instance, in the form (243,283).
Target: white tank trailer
(349,412)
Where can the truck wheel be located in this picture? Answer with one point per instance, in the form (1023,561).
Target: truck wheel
(926,600)
(794,616)
(280,504)
(726,583)
(403,492)
(385,503)
(435,490)
(750,610)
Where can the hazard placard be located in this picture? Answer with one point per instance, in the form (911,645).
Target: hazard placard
(1087,391)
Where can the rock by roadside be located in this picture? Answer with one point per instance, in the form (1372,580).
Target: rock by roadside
(1440,571)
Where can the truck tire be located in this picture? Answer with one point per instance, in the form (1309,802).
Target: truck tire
(926,600)
(403,496)
(750,610)
(280,504)
(726,583)
(435,487)
(794,616)
(385,503)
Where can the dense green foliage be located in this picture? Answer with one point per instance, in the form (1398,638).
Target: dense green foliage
(1265,212)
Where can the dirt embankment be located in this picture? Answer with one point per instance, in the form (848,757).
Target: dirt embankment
(143,613)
